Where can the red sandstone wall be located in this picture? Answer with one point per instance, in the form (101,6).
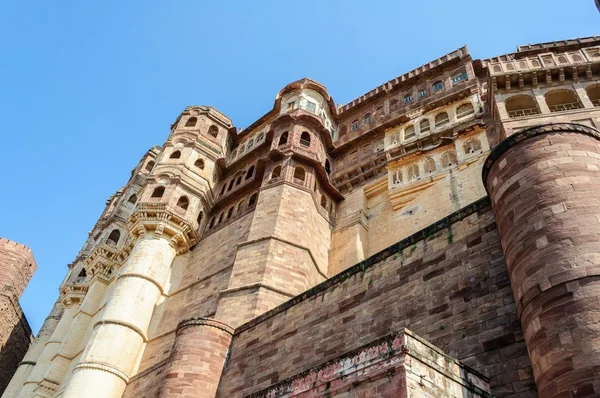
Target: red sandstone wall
(17,265)
(451,288)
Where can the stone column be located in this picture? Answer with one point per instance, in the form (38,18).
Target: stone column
(544,184)
(197,358)
(115,346)
(33,354)
(70,345)
(50,349)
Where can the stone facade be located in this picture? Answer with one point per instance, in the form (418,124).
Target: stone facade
(292,257)
(17,265)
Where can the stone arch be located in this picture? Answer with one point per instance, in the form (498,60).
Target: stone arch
(175,155)
(158,192)
(114,237)
(191,122)
(413,172)
(429,166)
(562,100)
(199,163)
(213,130)
(449,159)
(299,173)
(283,139)
(305,139)
(441,119)
(521,105)
(183,202)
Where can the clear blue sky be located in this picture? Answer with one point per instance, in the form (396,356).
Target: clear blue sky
(87,87)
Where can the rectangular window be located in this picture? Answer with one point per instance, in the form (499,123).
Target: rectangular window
(291,105)
(408,99)
(311,106)
(354,126)
(459,78)
(438,86)
(422,93)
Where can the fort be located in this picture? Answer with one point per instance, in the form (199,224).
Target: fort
(437,236)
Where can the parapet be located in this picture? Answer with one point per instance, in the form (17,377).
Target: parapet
(17,265)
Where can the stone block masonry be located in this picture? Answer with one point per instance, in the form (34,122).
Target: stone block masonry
(544,183)
(447,283)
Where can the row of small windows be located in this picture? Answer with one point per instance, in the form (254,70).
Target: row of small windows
(548,61)
(440,120)
(448,159)
(407,99)
(248,145)
(305,139)
(237,180)
(241,206)
(212,130)
(556,100)
(299,173)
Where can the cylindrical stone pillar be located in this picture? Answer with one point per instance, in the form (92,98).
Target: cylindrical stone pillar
(33,354)
(111,354)
(49,351)
(197,358)
(544,185)
(71,343)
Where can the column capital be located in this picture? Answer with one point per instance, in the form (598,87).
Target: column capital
(162,222)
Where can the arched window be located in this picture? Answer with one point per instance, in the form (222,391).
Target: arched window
(276,173)
(158,192)
(472,146)
(250,144)
(393,105)
(223,189)
(220,220)
(562,60)
(577,58)
(240,205)
(413,172)
(354,125)
(199,163)
(497,68)
(199,218)
(150,165)
(429,166)
(305,138)
(230,185)
(299,173)
(522,65)
(437,86)
(327,167)
(250,172)
(213,130)
(260,137)
(397,177)
(191,122)
(409,133)
(394,138)
(252,200)
(242,149)
(183,202)
(323,201)
(343,131)
(593,93)
(449,159)
(175,155)
(510,67)
(113,238)
(464,110)
(535,63)
(283,138)
(562,100)
(424,126)
(521,105)
(379,112)
(441,120)
(366,119)
(229,213)
(238,181)
(132,199)
(211,223)
(82,274)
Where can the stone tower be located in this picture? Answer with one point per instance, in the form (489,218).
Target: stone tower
(17,265)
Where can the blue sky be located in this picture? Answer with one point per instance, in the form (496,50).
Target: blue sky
(87,87)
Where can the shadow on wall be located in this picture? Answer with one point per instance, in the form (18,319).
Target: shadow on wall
(14,348)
